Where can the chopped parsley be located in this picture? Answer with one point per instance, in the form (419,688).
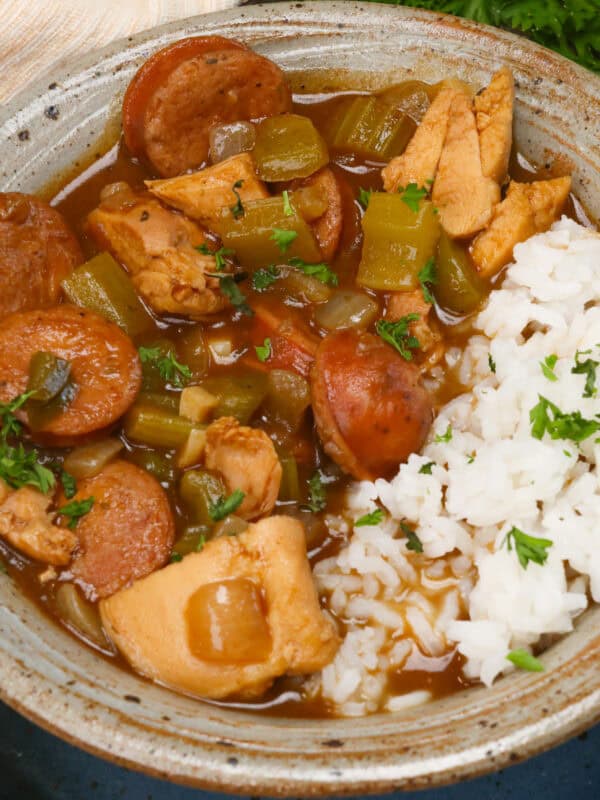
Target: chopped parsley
(545,417)
(283,238)
(492,363)
(228,284)
(412,195)
(10,424)
(175,557)
(169,369)
(428,278)
(528,548)
(219,255)
(373,518)
(413,542)
(398,336)
(524,660)
(238,209)
(587,368)
(287,206)
(426,468)
(226,505)
(470,458)
(547,366)
(319,271)
(567,454)
(263,351)
(317,497)
(364,195)
(263,278)
(20,467)
(444,437)
(76,509)
(69,484)
(201,542)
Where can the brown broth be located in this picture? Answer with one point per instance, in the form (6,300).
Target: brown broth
(440,676)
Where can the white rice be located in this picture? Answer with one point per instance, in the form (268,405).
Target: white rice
(470,591)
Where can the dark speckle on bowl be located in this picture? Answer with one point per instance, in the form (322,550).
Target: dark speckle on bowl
(52,112)
(23,135)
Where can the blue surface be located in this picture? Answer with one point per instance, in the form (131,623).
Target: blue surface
(37,766)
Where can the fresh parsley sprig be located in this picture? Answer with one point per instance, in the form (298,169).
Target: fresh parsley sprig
(76,509)
(528,548)
(238,209)
(220,255)
(397,334)
(427,278)
(586,367)
(373,518)
(263,351)
(317,494)
(413,542)
(319,271)
(412,194)
(263,278)
(226,505)
(169,369)
(524,660)
(283,238)
(545,417)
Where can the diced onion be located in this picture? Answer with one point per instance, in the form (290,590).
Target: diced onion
(79,614)
(90,459)
(230,140)
(347,309)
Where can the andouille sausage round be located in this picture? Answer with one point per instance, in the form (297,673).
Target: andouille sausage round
(127,534)
(187,88)
(370,408)
(105,365)
(37,251)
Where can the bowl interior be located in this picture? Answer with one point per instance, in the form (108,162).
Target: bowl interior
(69,119)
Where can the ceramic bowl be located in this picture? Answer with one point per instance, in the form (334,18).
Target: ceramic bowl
(50,678)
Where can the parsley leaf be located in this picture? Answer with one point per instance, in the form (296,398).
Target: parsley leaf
(491,363)
(263,351)
(470,458)
(229,287)
(444,437)
(263,278)
(545,417)
(528,548)
(19,467)
(317,499)
(69,484)
(201,542)
(175,557)
(238,209)
(10,425)
(287,206)
(412,195)
(76,509)
(398,336)
(427,278)
(169,369)
(364,195)
(226,505)
(547,366)
(426,468)
(373,518)
(319,271)
(524,660)
(413,543)
(219,255)
(283,239)
(587,368)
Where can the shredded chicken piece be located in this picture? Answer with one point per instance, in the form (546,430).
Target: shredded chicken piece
(528,208)
(158,248)
(202,195)
(464,196)
(247,460)
(419,162)
(26,524)
(494,114)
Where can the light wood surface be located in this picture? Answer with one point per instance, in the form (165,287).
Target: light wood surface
(36,33)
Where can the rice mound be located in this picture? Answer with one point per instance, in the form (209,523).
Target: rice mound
(468,589)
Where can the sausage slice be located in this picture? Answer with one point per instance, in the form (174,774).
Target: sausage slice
(370,408)
(104,364)
(37,251)
(127,534)
(187,88)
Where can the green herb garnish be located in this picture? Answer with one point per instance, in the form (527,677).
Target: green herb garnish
(364,195)
(238,209)
(263,351)
(426,468)
(545,417)
(373,518)
(547,366)
(76,509)
(587,368)
(263,278)
(19,467)
(228,285)
(524,660)
(444,437)
(398,336)
(169,369)
(317,499)
(202,541)
(175,557)
(283,238)
(528,548)
(428,278)
(10,425)
(413,543)
(412,195)
(287,206)
(226,505)
(219,255)
(319,271)
(69,484)
(492,363)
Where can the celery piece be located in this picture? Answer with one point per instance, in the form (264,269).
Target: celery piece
(289,488)
(251,236)
(288,146)
(458,289)
(199,491)
(103,286)
(369,127)
(239,395)
(154,463)
(288,397)
(157,427)
(398,242)
(41,414)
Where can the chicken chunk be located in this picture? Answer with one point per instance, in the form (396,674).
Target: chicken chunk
(494,115)
(528,208)
(203,194)
(158,248)
(247,460)
(26,524)
(464,195)
(238,614)
(402,303)
(419,162)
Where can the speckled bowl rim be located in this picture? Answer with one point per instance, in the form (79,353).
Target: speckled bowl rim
(50,679)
